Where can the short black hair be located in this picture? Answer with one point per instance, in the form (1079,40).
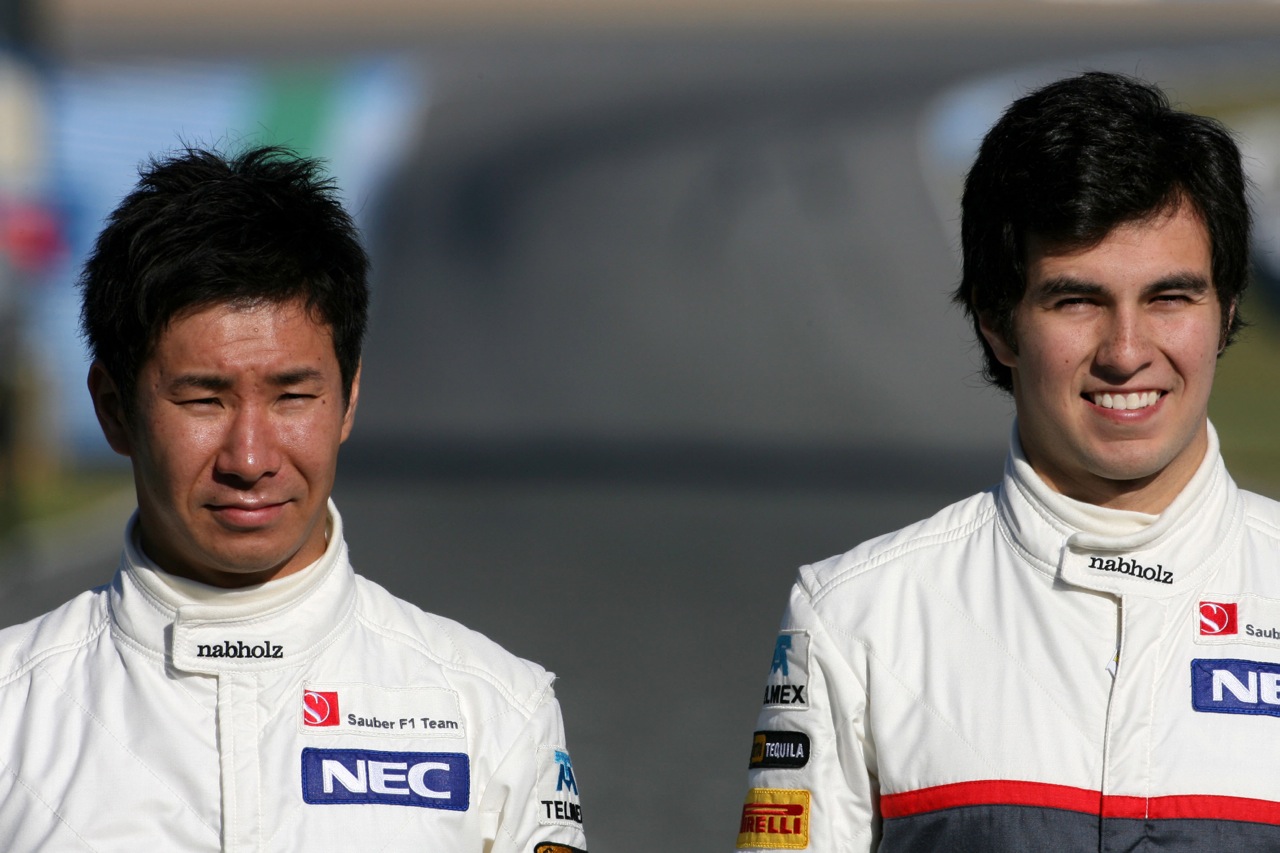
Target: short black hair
(1068,163)
(202,229)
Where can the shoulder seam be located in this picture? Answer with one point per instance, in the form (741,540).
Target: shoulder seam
(1262,525)
(45,654)
(914,544)
(527,706)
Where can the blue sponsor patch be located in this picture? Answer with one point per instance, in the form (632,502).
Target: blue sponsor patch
(428,780)
(1228,686)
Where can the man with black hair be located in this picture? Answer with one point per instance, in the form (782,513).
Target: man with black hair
(236,686)
(1087,655)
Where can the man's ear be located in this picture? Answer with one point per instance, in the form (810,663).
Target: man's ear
(109,406)
(1226,327)
(1005,351)
(349,416)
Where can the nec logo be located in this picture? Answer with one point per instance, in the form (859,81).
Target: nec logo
(1235,687)
(429,780)
(1218,618)
(320,708)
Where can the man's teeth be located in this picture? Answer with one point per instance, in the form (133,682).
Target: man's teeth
(1126,401)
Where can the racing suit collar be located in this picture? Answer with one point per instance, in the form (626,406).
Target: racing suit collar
(1122,552)
(204,630)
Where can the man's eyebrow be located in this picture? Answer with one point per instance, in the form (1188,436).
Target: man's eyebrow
(295,377)
(1065,285)
(215,383)
(1069,286)
(199,382)
(1187,281)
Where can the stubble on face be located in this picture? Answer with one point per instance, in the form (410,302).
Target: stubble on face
(1116,349)
(240,414)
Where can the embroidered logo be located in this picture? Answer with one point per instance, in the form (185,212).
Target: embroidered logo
(779,749)
(558,789)
(429,780)
(238,650)
(1223,686)
(775,818)
(1133,568)
(320,708)
(1218,618)
(789,672)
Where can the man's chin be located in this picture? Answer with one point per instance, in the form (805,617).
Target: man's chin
(233,569)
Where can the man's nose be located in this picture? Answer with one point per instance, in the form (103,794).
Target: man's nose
(249,449)
(1125,347)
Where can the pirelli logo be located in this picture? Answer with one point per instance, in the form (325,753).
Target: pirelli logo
(775,818)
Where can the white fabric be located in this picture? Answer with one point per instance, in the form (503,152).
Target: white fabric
(975,646)
(119,731)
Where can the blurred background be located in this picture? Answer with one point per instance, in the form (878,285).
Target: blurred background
(661,306)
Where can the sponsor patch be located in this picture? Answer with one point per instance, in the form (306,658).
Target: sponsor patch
(1229,686)
(788,681)
(1219,618)
(429,780)
(1133,568)
(775,818)
(240,650)
(367,709)
(546,847)
(320,708)
(558,800)
(779,749)
(1238,619)
(201,644)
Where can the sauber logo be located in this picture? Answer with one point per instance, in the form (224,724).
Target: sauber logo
(1218,618)
(320,708)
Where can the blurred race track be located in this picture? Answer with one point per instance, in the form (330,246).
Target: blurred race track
(660,316)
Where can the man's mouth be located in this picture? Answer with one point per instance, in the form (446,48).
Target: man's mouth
(1135,400)
(247,513)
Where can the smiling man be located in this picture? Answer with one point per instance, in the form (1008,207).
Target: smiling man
(1086,657)
(237,687)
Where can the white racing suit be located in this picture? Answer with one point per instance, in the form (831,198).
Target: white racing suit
(313,713)
(1026,672)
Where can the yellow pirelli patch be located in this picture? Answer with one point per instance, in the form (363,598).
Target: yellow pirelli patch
(775,818)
